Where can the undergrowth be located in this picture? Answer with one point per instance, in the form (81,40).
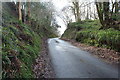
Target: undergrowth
(20,47)
(21,43)
(88,32)
(109,38)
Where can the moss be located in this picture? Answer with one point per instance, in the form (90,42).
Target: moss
(21,44)
(75,27)
(27,52)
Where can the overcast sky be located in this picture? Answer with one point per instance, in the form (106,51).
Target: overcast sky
(58,6)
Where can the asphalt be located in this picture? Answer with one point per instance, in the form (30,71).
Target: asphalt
(72,62)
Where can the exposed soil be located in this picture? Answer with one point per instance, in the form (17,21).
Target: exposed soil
(109,56)
(43,67)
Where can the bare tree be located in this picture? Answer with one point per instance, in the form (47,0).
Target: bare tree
(76,10)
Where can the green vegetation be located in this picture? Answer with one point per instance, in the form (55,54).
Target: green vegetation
(109,38)
(21,44)
(20,47)
(86,24)
(74,27)
(101,24)
(88,32)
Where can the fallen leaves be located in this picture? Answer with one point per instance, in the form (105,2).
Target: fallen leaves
(42,67)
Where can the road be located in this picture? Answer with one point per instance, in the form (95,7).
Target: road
(71,62)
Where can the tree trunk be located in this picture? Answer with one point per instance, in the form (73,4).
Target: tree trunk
(108,18)
(100,14)
(116,7)
(106,14)
(19,11)
(24,12)
(28,8)
(87,16)
(74,13)
(95,13)
(77,11)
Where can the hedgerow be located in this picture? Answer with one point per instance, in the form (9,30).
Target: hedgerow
(109,38)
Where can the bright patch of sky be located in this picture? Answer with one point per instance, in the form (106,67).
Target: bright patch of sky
(58,6)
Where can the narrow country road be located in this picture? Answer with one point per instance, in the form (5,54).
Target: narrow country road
(71,62)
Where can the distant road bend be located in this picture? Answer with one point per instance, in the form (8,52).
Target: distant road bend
(71,62)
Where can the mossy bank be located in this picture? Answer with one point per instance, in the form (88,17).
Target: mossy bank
(21,44)
(89,32)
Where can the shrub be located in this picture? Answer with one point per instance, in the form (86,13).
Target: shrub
(109,37)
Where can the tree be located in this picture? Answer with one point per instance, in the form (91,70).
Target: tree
(66,15)
(42,13)
(24,12)
(76,11)
(107,16)
(19,10)
(28,5)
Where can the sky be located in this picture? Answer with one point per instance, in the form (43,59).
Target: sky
(59,5)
